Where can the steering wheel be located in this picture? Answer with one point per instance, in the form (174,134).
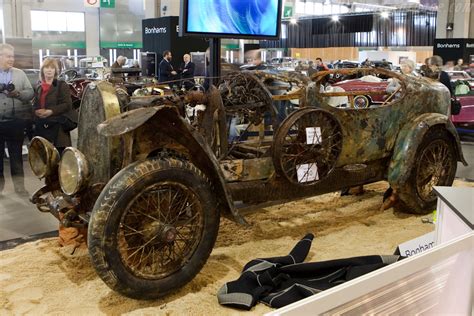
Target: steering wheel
(69,75)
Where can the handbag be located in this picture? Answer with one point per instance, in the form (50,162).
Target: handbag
(47,128)
(455,106)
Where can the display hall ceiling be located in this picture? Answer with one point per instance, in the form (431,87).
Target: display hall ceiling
(304,8)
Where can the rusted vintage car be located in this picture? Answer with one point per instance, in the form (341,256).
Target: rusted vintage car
(151,183)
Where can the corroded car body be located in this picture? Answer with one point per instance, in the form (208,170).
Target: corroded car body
(151,179)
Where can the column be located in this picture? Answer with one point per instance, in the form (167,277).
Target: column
(92,32)
(151,9)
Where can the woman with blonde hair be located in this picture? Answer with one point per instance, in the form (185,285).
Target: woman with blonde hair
(407,67)
(54,115)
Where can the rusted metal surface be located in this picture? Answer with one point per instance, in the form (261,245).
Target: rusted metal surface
(247,169)
(99,103)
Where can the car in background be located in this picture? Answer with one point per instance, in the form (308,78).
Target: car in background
(458,75)
(372,90)
(382,64)
(261,66)
(464,92)
(278,61)
(345,64)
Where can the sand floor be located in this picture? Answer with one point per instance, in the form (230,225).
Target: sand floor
(40,278)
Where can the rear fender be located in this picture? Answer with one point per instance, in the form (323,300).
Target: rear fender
(155,128)
(408,141)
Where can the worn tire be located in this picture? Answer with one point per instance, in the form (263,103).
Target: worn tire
(112,207)
(410,198)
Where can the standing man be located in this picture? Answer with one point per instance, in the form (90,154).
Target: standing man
(187,72)
(320,66)
(165,70)
(15,111)
(121,60)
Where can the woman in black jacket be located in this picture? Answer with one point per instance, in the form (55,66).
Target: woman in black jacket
(52,105)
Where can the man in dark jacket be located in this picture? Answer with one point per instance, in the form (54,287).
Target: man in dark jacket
(187,72)
(15,112)
(166,71)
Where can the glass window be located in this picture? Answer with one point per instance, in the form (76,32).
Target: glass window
(57,21)
(39,20)
(327,9)
(318,8)
(75,22)
(299,7)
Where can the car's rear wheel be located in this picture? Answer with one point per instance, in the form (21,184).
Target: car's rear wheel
(435,165)
(307,145)
(361,102)
(153,227)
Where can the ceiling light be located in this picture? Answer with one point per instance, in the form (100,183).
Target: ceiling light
(335,18)
(293,21)
(384,15)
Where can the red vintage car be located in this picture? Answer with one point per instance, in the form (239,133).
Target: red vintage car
(464,92)
(373,90)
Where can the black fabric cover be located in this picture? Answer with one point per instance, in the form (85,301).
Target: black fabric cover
(280,281)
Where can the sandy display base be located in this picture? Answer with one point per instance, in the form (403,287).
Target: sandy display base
(41,278)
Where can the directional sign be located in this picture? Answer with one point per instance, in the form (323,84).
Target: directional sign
(107,4)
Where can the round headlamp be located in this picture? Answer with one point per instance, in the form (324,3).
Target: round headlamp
(43,157)
(73,171)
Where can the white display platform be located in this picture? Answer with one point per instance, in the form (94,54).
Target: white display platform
(439,281)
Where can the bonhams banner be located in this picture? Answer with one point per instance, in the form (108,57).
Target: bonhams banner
(92,3)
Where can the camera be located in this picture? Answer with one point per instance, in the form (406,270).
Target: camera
(9,87)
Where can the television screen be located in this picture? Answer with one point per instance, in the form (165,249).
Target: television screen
(231,18)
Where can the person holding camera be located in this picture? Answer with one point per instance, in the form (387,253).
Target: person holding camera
(53,107)
(15,113)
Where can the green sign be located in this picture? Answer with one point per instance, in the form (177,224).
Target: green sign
(121,44)
(107,4)
(288,12)
(230,46)
(55,44)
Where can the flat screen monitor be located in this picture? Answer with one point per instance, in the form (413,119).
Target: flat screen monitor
(259,19)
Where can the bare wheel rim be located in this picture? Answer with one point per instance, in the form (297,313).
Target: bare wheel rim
(434,168)
(296,151)
(160,230)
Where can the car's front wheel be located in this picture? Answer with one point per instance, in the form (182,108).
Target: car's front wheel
(435,165)
(153,227)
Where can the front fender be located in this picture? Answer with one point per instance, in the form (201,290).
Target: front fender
(152,122)
(408,141)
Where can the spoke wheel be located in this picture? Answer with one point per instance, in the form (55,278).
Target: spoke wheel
(153,227)
(160,229)
(307,146)
(435,166)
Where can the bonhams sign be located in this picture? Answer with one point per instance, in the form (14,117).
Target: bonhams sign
(155,30)
(447,45)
